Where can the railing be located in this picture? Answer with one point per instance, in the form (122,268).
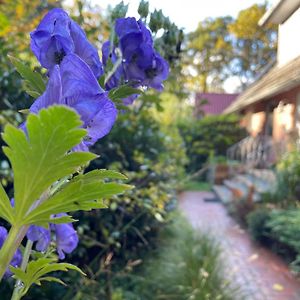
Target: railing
(254,152)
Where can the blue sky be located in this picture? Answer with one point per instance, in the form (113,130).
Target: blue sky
(187,13)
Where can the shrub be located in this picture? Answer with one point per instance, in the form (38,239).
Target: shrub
(279,230)
(288,171)
(212,133)
(256,222)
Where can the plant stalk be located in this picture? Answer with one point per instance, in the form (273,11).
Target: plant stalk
(10,246)
(113,70)
(16,294)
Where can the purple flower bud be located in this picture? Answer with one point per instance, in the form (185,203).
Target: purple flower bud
(40,235)
(141,65)
(66,239)
(57,36)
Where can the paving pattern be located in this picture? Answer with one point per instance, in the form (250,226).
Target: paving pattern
(260,274)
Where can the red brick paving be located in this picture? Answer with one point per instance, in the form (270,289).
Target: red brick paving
(261,274)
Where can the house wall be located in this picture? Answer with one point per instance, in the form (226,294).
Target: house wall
(282,111)
(288,44)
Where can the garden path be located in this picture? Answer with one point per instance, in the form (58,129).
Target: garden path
(261,274)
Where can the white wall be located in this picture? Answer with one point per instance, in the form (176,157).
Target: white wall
(289,39)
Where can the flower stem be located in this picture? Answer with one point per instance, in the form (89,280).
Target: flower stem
(10,246)
(113,70)
(18,286)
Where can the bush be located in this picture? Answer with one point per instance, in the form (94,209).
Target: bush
(279,230)
(288,171)
(256,222)
(210,134)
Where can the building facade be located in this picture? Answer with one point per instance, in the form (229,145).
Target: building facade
(271,105)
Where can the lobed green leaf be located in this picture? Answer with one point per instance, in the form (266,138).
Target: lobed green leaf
(84,192)
(122,92)
(36,271)
(34,83)
(42,157)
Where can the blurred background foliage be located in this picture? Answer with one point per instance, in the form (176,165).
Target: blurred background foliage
(212,134)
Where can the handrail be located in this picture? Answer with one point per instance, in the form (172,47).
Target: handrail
(254,152)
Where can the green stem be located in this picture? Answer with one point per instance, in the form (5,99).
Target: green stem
(18,286)
(113,70)
(10,246)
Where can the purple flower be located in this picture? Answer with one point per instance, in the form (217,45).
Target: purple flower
(17,258)
(141,64)
(40,235)
(57,36)
(66,239)
(73,84)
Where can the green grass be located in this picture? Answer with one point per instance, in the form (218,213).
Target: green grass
(196,186)
(187,266)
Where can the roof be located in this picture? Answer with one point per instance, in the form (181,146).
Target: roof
(279,12)
(278,80)
(217,102)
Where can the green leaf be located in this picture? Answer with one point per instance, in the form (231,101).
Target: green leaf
(36,271)
(34,83)
(84,192)
(6,210)
(42,157)
(122,92)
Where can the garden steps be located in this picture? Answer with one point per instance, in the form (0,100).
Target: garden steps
(223,193)
(261,186)
(239,187)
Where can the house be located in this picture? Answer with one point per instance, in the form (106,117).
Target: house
(212,103)
(271,105)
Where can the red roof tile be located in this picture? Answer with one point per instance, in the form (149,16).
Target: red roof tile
(217,102)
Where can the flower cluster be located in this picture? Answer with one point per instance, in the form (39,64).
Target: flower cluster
(141,65)
(66,237)
(73,69)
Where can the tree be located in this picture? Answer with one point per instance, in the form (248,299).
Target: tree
(254,46)
(209,53)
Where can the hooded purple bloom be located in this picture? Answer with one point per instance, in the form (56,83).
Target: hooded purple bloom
(17,258)
(74,84)
(66,237)
(57,36)
(40,235)
(142,65)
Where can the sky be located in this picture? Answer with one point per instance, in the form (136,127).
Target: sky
(188,13)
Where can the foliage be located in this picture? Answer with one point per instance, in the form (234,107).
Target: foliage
(210,134)
(187,265)
(288,171)
(256,222)
(210,52)
(277,229)
(222,47)
(254,46)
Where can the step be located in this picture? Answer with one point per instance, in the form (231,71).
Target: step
(239,189)
(261,186)
(264,174)
(223,193)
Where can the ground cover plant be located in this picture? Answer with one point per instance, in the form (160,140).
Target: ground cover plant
(187,265)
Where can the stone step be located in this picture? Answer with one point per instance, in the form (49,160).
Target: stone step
(263,174)
(261,186)
(223,193)
(239,189)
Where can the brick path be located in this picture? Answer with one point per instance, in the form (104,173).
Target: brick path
(261,274)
